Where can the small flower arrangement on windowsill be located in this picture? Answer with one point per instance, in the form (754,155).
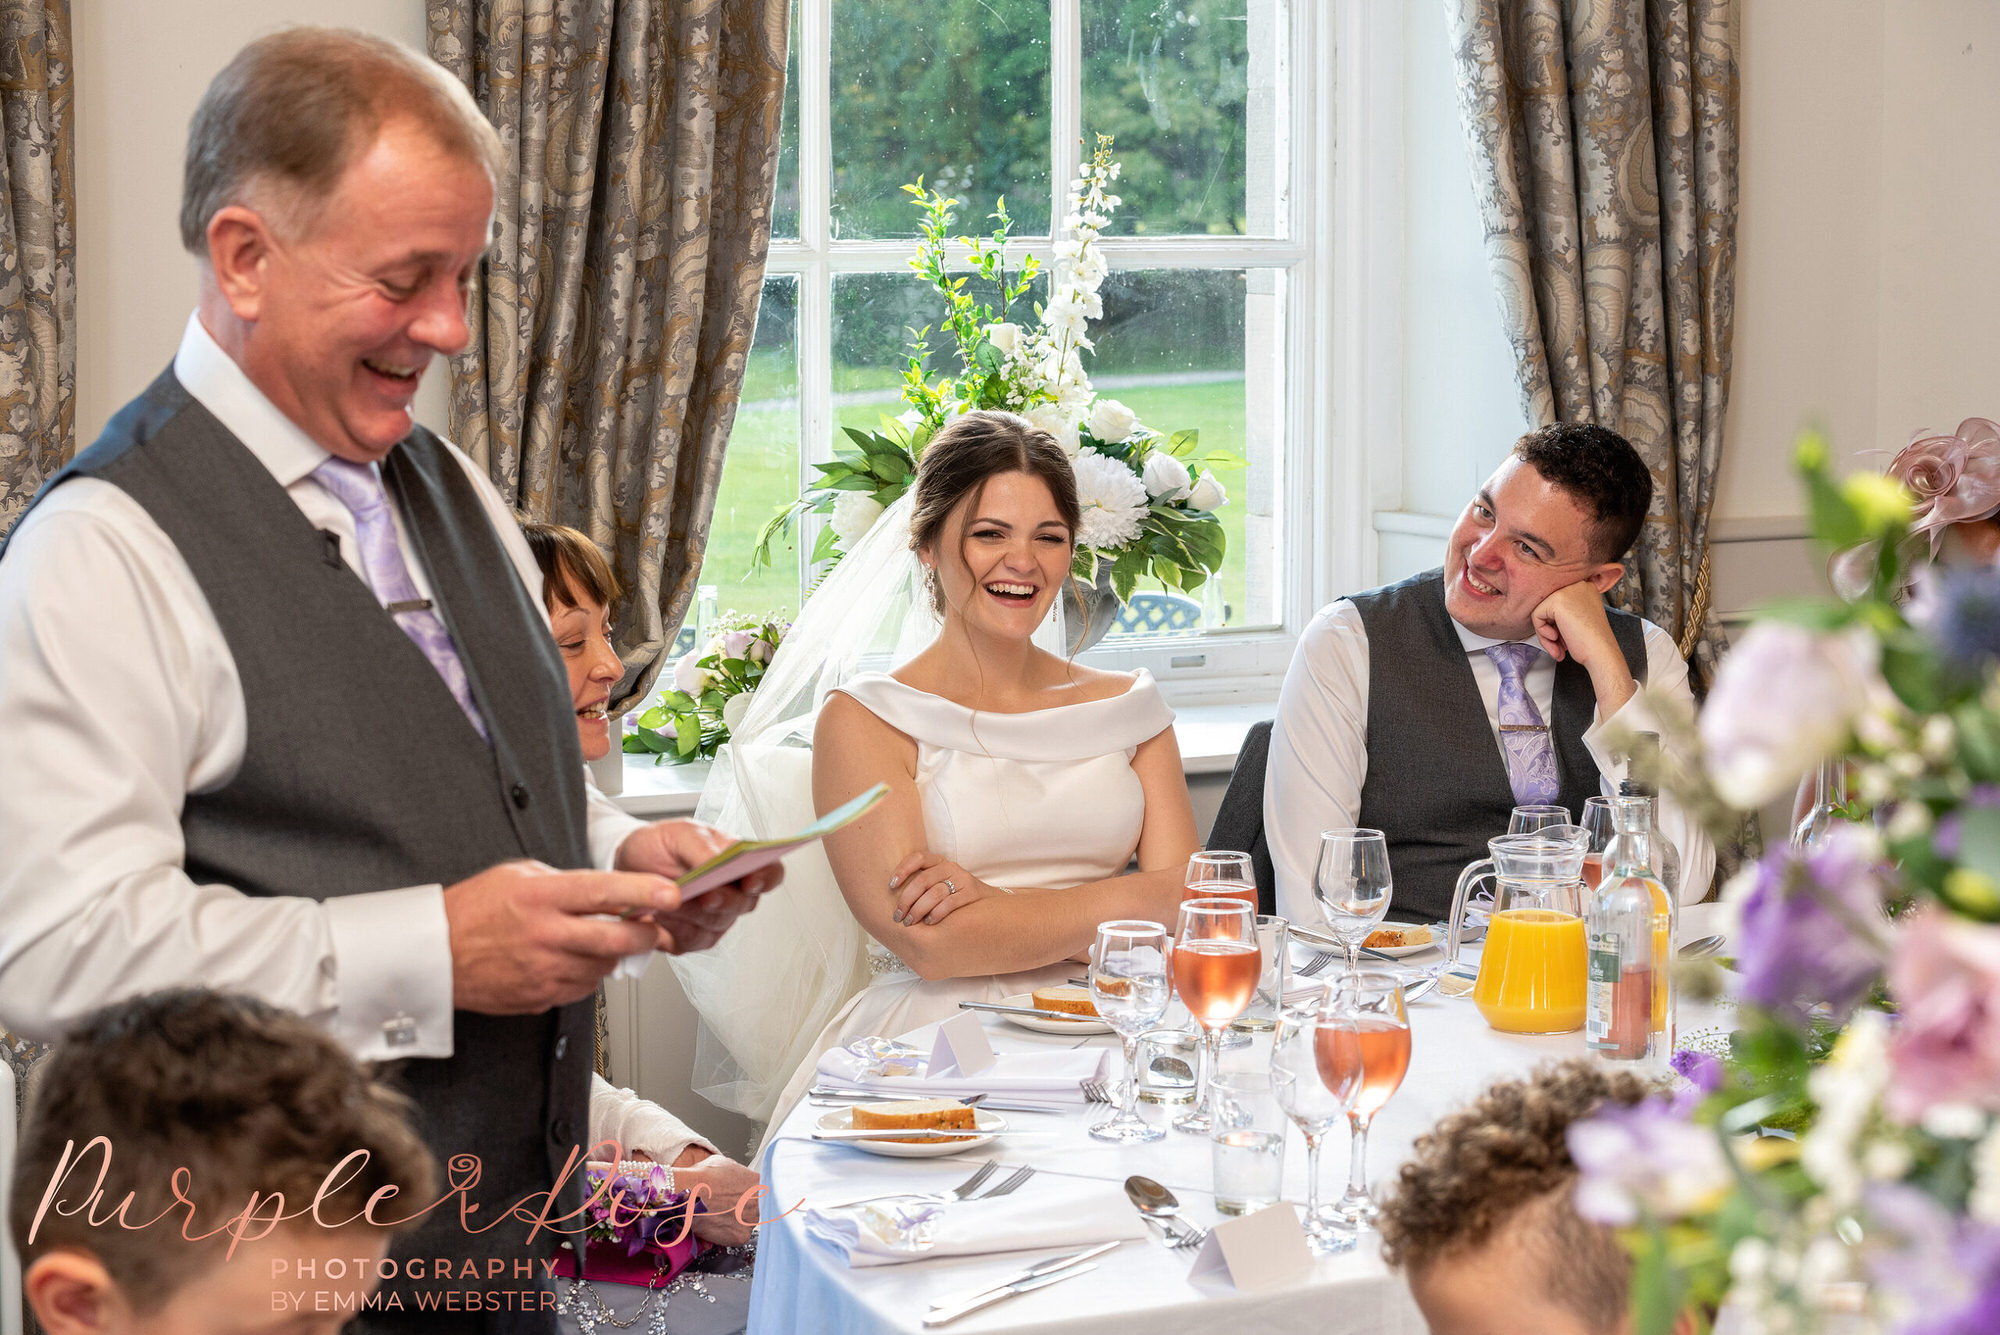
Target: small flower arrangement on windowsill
(712,686)
(1148,501)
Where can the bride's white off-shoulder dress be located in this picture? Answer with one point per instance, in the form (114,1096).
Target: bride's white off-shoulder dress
(1042,799)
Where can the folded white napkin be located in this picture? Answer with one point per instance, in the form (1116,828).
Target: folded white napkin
(1054,1076)
(1047,1213)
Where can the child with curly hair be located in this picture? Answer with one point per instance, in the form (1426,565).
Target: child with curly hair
(1481,1223)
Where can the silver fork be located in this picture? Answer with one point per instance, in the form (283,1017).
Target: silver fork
(962,1191)
(1013,1180)
(1096,1091)
(1318,964)
(1194,1237)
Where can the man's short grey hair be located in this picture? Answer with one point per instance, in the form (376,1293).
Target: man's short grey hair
(280,124)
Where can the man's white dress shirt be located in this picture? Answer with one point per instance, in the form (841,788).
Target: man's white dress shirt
(1319,748)
(118,697)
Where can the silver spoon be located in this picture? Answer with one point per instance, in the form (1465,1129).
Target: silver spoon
(1157,1203)
(1706,945)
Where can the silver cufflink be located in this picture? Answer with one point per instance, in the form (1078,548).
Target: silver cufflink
(400,1032)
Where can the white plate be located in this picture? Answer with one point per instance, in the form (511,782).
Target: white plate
(1398,952)
(1080,1025)
(842,1119)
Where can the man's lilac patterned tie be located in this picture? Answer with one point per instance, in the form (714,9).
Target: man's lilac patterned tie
(359,488)
(1531,756)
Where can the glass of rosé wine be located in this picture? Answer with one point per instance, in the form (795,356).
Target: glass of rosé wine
(1217,962)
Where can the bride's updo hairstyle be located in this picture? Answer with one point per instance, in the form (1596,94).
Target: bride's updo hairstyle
(968,451)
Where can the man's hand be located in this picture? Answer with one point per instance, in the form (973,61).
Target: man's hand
(1571,624)
(524,938)
(672,848)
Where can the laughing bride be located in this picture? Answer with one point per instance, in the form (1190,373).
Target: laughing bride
(1022,784)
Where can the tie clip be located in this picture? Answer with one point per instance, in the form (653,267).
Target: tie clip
(1524,727)
(408,605)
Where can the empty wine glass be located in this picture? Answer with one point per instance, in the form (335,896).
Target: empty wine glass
(1526,820)
(1367,1040)
(1220,873)
(1315,1107)
(1128,983)
(1353,886)
(1216,964)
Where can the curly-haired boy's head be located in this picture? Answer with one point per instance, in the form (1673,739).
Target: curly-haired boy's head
(1489,1186)
(248,1099)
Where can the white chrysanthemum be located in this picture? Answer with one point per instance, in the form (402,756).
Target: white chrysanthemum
(1051,418)
(1113,500)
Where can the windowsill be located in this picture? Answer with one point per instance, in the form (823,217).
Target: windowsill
(1209,736)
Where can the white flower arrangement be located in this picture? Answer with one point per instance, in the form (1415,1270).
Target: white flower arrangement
(1149,504)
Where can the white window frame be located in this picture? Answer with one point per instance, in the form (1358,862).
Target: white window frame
(1342,260)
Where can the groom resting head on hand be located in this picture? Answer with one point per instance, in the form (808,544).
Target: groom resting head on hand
(1431,707)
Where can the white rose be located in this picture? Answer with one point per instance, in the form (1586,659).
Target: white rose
(733,710)
(690,677)
(1051,418)
(1005,337)
(1166,477)
(1112,422)
(1208,493)
(854,513)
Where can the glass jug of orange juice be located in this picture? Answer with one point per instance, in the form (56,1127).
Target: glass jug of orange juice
(1532,973)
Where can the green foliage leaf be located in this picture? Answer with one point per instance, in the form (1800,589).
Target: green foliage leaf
(687,729)
(1182,443)
(1656,1287)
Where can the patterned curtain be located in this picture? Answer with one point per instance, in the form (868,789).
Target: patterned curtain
(614,314)
(1603,146)
(37,251)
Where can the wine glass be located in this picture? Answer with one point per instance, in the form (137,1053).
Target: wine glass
(1366,1039)
(1599,824)
(1216,874)
(1216,965)
(1220,873)
(1128,983)
(1315,1107)
(1353,886)
(1527,820)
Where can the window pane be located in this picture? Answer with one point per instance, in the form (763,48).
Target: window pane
(1173,346)
(872,316)
(785,194)
(1188,88)
(760,471)
(955,91)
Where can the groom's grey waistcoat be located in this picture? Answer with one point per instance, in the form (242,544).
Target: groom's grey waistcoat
(1437,782)
(360,771)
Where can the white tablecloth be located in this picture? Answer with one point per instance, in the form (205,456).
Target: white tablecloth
(1140,1288)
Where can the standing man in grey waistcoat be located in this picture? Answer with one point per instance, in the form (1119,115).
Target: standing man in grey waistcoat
(1430,708)
(281,710)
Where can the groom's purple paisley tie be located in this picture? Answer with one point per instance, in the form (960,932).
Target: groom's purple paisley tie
(359,488)
(1531,756)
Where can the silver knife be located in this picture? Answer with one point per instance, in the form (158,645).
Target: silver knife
(1333,943)
(1071,1016)
(941,1315)
(840,1098)
(1036,1271)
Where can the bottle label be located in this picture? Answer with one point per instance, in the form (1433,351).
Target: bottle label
(1601,990)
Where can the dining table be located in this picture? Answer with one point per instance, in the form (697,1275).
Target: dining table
(1140,1287)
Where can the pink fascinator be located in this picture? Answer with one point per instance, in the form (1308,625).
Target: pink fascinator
(1956,478)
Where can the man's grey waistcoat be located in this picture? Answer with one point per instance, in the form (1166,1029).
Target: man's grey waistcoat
(1437,782)
(360,771)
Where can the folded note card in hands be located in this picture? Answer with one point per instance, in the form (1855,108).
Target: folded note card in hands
(747,855)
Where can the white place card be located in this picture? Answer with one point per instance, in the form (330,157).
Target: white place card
(1258,1251)
(961,1046)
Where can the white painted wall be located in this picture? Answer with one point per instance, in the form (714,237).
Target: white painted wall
(140,68)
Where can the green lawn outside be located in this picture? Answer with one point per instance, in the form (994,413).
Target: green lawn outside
(760,473)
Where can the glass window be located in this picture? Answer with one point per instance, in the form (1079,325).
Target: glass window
(1170,79)
(966,95)
(760,471)
(954,91)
